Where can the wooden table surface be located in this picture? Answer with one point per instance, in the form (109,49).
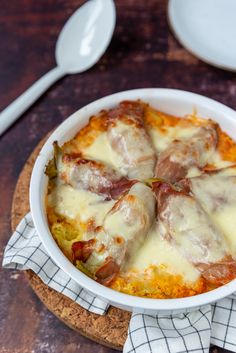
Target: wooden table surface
(143,53)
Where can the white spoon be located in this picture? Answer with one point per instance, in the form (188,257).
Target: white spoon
(82,41)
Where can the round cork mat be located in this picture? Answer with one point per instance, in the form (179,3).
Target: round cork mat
(110,329)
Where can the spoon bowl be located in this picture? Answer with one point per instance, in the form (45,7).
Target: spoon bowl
(85,36)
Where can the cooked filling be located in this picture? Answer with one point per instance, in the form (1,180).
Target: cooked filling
(145,202)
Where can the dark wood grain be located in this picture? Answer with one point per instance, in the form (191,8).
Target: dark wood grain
(143,53)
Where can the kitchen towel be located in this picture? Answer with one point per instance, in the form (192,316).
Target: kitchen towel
(189,332)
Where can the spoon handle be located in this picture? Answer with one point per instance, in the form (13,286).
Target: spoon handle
(10,114)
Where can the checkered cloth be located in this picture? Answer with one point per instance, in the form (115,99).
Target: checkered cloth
(192,332)
(189,332)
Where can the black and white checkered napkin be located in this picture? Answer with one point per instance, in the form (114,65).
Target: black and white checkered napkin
(191,332)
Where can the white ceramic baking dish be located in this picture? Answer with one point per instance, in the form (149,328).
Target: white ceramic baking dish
(170,101)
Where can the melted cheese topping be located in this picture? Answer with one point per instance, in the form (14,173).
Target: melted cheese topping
(116,226)
(229,171)
(158,252)
(226,221)
(218,162)
(162,138)
(193,172)
(217,194)
(135,213)
(81,205)
(100,149)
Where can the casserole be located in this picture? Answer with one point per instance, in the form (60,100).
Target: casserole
(172,102)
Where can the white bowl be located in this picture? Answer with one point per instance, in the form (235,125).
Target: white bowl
(170,101)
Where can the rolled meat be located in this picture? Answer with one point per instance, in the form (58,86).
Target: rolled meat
(183,222)
(173,163)
(92,175)
(216,192)
(106,249)
(130,141)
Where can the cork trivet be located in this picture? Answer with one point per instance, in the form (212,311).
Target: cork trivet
(110,329)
